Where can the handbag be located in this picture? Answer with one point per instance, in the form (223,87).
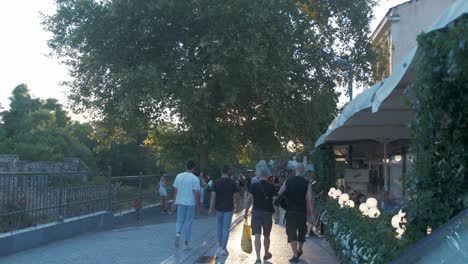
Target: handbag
(246,240)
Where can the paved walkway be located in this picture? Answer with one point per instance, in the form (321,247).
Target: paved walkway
(152,241)
(316,250)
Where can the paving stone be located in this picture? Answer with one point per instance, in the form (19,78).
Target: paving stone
(153,242)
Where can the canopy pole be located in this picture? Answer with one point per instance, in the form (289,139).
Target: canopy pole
(385,166)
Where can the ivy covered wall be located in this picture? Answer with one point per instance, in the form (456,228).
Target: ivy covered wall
(439,184)
(324,168)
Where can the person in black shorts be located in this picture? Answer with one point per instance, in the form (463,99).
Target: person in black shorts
(299,193)
(262,194)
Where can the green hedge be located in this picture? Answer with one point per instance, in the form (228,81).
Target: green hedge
(360,239)
(439,184)
(324,168)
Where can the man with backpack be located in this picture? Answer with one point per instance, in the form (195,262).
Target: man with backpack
(299,199)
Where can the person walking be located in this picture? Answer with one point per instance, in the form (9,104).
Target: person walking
(203,184)
(225,199)
(163,194)
(299,193)
(187,201)
(262,195)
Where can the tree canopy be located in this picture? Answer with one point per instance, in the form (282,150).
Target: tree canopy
(238,72)
(38,129)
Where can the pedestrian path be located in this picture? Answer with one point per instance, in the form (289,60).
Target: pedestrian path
(316,250)
(149,242)
(152,241)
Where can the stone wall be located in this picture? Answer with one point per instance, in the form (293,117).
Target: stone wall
(12,163)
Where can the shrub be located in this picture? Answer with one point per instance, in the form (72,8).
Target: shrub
(360,239)
(439,184)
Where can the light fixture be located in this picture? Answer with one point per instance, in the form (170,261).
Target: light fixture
(397,157)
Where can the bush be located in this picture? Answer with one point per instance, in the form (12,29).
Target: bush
(439,184)
(360,239)
(324,168)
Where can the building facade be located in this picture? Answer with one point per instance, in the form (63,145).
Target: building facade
(397,32)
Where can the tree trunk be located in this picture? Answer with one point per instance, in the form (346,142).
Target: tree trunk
(203,156)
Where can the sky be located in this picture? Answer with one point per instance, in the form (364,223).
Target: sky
(23,50)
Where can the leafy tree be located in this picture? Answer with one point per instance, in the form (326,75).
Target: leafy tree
(41,130)
(243,72)
(127,152)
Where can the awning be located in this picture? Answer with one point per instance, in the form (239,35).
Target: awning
(401,76)
(357,122)
(361,102)
(381,112)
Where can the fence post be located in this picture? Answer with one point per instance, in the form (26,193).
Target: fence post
(140,196)
(61,204)
(109,188)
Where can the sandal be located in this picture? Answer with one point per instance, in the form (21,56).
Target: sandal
(267,256)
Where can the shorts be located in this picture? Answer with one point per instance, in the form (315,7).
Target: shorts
(261,220)
(162,192)
(296,226)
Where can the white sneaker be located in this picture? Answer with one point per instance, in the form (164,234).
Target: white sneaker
(187,245)
(177,240)
(218,249)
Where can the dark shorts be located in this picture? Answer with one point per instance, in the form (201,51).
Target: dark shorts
(261,220)
(296,226)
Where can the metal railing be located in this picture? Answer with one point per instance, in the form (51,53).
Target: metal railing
(137,191)
(31,198)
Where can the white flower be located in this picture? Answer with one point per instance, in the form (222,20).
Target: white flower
(401,214)
(363,208)
(350,203)
(400,232)
(344,197)
(336,194)
(331,192)
(371,202)
(374,212)
(396,220)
